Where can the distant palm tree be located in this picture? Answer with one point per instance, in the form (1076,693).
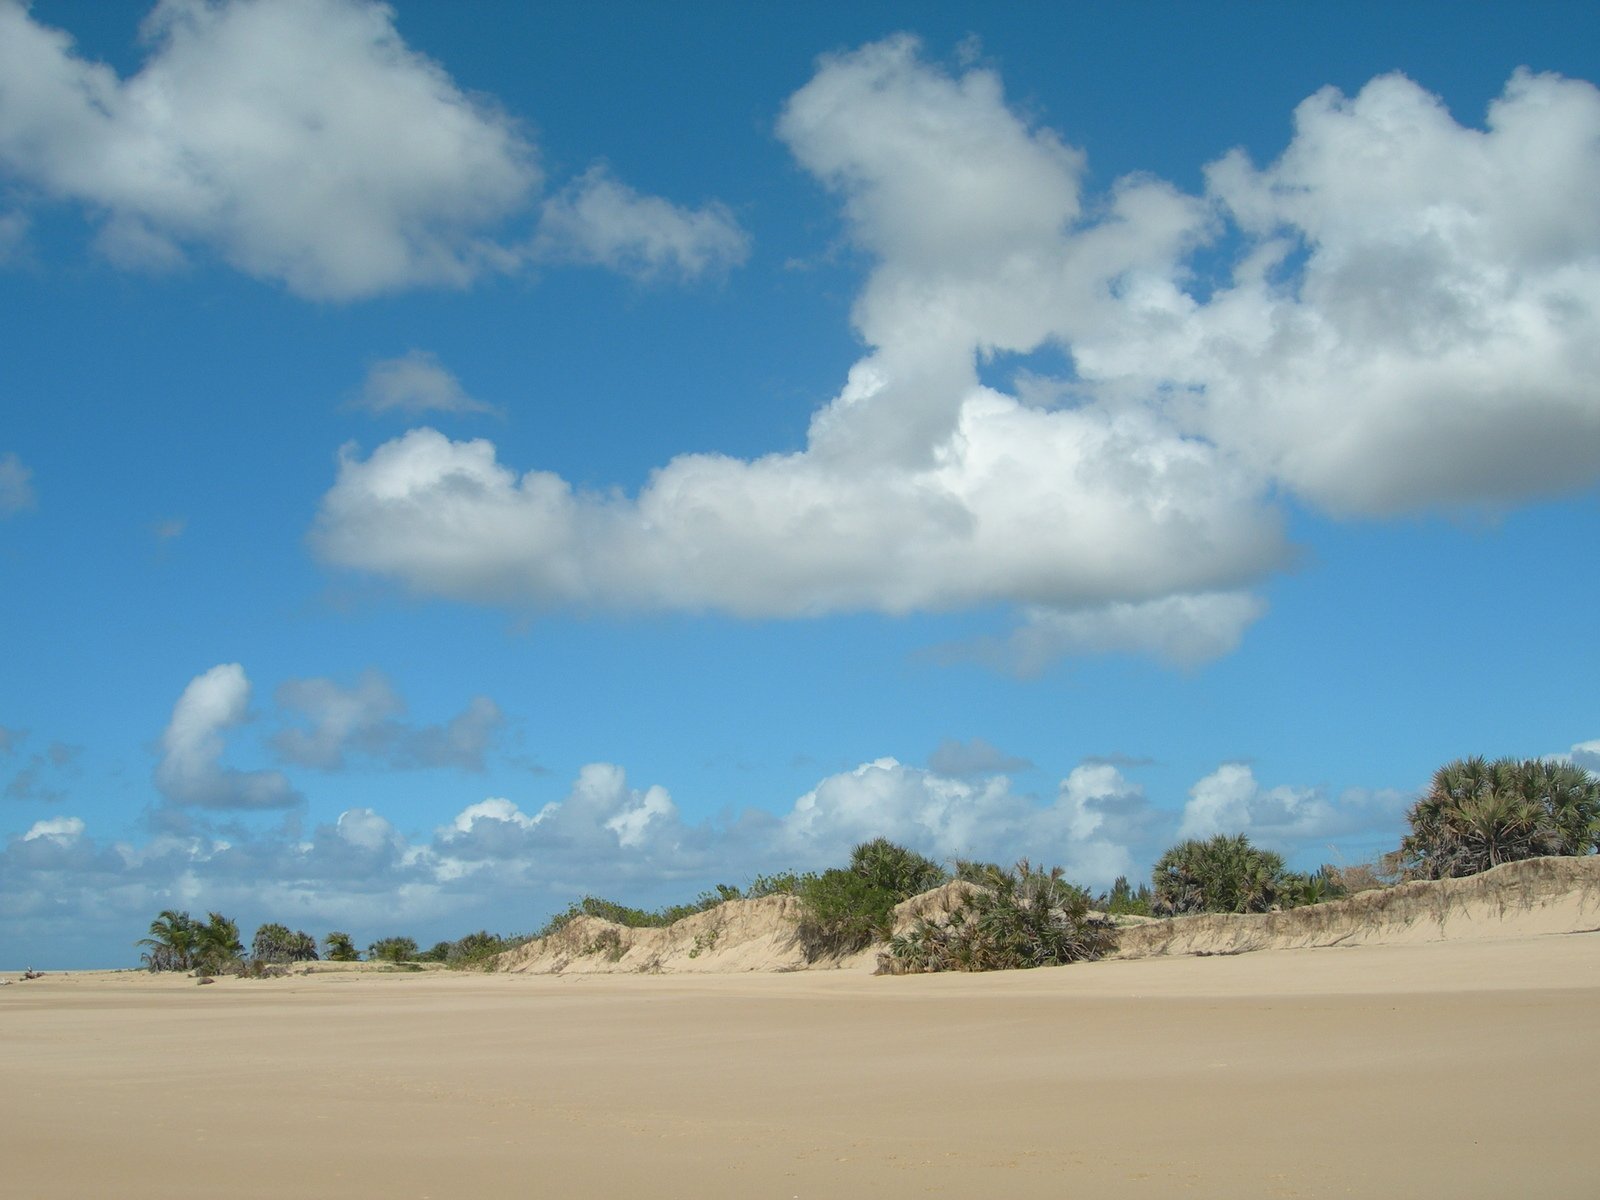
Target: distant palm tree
(172,941)
(217,944)
(1224,874)
(1478,814)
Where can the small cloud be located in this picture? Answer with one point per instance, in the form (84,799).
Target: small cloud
(1587,755)
(598,220)
(62,830)
(170,529)
(13,233)
(31,783)
(975,757)
(10,739)
(365,719)
(413,384)
(16,486)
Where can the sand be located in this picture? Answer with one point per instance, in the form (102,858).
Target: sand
(1462,1068)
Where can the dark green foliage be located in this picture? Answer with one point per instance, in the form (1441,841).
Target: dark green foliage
(173,940)
(341,948)
(985,874)
(638,918)
(1015,919)
(477,951)
(277,944)
(783,883)
(1478,814)
(1222,875)
(393,950)
(896,869)
(846,909)
(1124,901)
(1314,887)
(843,912)
(218,949)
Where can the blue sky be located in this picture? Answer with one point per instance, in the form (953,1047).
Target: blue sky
(454,458)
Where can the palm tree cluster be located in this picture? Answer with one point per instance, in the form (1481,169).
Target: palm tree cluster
(1224,874)
(1028,917)
(277,944)
(178,942)
(1478,814)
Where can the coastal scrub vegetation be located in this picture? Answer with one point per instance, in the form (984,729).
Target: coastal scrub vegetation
(1025,917)
(1478,814)
(1475,815)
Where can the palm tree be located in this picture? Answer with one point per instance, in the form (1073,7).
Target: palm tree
(275,943)
(1478,814)
(341,948)
(217,944)
(172,941)
(1225,874)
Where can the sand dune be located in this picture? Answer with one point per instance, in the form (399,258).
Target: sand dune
(1538,896)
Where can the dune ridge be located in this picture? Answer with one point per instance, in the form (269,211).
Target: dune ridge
(1529,898)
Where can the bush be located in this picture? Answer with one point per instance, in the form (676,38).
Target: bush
(276,944)
(846,909)
(1022,918)
(393,950)
(1222,875)
(1477,814)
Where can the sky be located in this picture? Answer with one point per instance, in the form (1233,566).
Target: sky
(456,458)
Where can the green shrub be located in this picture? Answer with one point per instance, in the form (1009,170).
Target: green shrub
(1222,875)
(1016,919)
(846,909)
(393,950)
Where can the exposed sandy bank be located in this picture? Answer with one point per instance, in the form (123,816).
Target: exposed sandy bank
(1540,896)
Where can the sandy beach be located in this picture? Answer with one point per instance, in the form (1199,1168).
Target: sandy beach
(1462,1069)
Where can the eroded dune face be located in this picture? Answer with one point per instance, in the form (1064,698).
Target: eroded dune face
(1538,896)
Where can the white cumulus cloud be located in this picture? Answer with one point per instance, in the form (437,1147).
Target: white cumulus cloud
(303,141)
(191,771)
(1411,320)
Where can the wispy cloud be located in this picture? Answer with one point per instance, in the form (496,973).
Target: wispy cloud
(16,486)
(413,384)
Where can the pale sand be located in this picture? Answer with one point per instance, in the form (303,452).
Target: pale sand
(1462,1068)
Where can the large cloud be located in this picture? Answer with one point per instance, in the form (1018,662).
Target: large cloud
(1439,343)
(1413,320)
(301,140)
